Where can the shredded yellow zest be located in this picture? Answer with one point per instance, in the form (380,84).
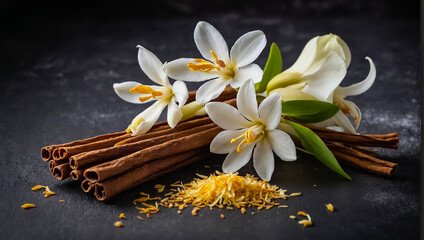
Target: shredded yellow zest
(248,138)
(307,222)
(145,90)
(330,207)
(139,217)
(122,216)
(118,224)
(194,212)
(292,217)
(221,190)
(160,187)
(47,192)
(62,201)
(222,216)
(28,205)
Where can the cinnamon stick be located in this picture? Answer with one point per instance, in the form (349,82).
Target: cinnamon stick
(77,174)
(113,168)
(361,160)
(61,171)
(390,140)
(113,186)
(46,152)
(228,93)
(163,131)
(87,185)
(106,154)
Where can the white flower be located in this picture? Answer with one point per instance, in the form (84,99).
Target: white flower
(248,127)
(224,68)
(348,107)
(317,74)
(165,94)
(318,71)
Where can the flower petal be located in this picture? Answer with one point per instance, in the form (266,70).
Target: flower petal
(305,58)
(247,48)
(149,118)
(210,90)
(178,70)
(360,87)
(181,93)
(246,101)
(338,120)
(326,78)
(207,38)
(226,116)
(236,160)
(123,91)
(152,66)
(263,159)
(282,145)
(174,114)
(221,144)
(270,110)
(251,71)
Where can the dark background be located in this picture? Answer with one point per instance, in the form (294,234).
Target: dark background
(60,59)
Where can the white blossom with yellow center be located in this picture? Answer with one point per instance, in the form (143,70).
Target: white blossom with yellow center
(222,67)
(165,94)
(250,126)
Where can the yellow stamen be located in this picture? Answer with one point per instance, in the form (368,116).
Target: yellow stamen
(145,90)
(206,66)
(248,139)
(344,109)
(219,62)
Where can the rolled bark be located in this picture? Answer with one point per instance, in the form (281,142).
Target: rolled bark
(113,186)
(199,121)
(228,93)
(53,164)
(61,171)
(390,140)
(113,168)
(46,152)
(87,185)
(361,160)
(77,174)
(107,154)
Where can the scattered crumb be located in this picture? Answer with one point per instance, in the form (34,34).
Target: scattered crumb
(243,210)
(47,192)
(148,215)
(28,205)
(62,201)
(292,217)
(315,185)
(283,206)
(139,217)
(222,216)
(194,212)
(330,207)
(179,212)
(160,187)
(306,223)
(206,166)
(295,194)
(118,224)
(122,216)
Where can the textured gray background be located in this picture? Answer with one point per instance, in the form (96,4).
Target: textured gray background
(56,86)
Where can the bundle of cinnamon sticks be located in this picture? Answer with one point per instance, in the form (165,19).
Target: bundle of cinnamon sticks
(112,163)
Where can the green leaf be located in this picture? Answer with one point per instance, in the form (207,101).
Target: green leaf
(311,142)
(309,111)
(273,66)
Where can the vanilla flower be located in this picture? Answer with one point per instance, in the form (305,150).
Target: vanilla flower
(250,126)
(317,74)
(165,94)
(223,68)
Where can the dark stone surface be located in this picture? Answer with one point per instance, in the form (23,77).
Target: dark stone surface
(56,86)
